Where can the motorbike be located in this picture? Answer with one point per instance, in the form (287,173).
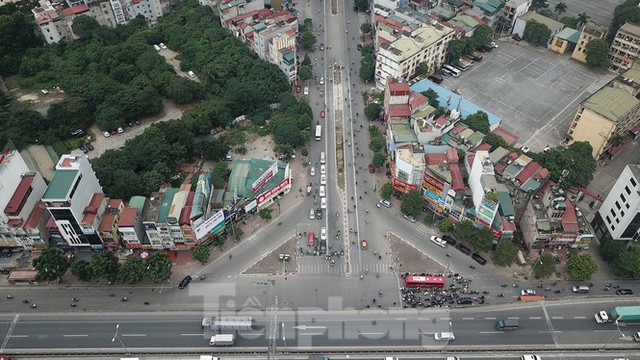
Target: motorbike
(73,304)
(202,277)
(25,301)
(33,306)
(124,299)
(9,297)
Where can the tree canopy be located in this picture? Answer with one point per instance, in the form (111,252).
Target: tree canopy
(412,203)
(51,265)
(577,159)
(536,33)
(478,122)
(480,239)
(581,266)
(597,54)
(367,64)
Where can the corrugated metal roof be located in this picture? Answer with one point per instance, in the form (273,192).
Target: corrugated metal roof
(60,184)
(610,102)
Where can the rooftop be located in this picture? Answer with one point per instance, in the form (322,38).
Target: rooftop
(610,102)
(569,34)
(165,205)
(553,25)
(128,217)
(60,185)
(245,172)
(17,199)
(630,29)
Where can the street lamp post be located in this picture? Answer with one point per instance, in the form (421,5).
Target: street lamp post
(533,266)
(115,336)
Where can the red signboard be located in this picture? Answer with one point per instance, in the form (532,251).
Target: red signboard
(403,186)
(433,182)
(264,178)
(273,191)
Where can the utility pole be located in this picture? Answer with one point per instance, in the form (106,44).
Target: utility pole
(273,329)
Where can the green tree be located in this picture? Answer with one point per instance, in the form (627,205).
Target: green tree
(365,28)
(539,4)
(478,122)
(372,111)
(378,160)
(201,253)
(597,54)
(582,19)
(306,60)
(306,72)
(481,35)
(412,203)
(236,231)
(446,225)
(361,5)
(560,9)
(536,33)
(455,50)
(104,265)
(158,267)
(18,33)
(218,241)
(432,95)
(574,164)
(287,134)
(307,40)
(504,254)
(132,271)
(569,22)
(373,131)
(375,144)
(304,152)
(544,267)
(480,239)
(422,69)
(495,141)
(219,175)
(386,191)
(82,270)
(581,266)
(51,265)
(265,214)
(85,26)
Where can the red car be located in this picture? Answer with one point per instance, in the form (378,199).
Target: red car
(322,114)
(298,89)
(312,239)
(371,168)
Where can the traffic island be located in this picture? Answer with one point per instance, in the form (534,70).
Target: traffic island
(277,262)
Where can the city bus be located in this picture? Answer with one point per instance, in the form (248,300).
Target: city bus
(531,297)
(424,282)
(318,132)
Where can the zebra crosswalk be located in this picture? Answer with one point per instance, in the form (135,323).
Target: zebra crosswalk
(320,268)
(378,268)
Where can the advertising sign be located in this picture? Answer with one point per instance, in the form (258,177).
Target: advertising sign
(210,226)
(433,182)
(275,190)
(264,178)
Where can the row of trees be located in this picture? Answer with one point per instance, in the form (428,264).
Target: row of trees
(467,45)
(623,262)
(308,39)
(367,64)
(376,144)
(51,265)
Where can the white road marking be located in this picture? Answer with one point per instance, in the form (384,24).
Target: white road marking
(557,317)
(513,318)
(490,318)
(311,334)
(361,333)
(133,335)
(192,334)
(401,319)
(19,336)
(490,332)
(579,317)
(535,317)
(76,335)
(467,318)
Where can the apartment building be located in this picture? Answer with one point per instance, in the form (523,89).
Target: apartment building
(55,23)
(125,10)
(625,47)
(442,179)
(588,32)
(619,216)
(400,58)
(511,11)
(612,110)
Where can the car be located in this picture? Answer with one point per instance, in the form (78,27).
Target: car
(163,46)
(83,148)
(384,203)
(323,179)
(636,336)
(529,357)
(322,113)
(298,89)
(436,240)
(191,74)
(321,47)
(494,45)
(120,130)
(527,292)
(372,169)
(323,203)
(323,169)
(319,214)
(312,214)
(323,246)
(323,233)
(156,47)
(312,239)
(89,146)
(435,78)
(444,336)
(451,241)
(78,133)
(479,259)
(312,171)
(323,191)
(228,157)
(184,282)
(306,90)
(624,292)
(106,134)
(322,80)
(137,122)
(463,249)
(130,124)
(601,317)
(525,149)
(410,218)
(363,244)
(464,301)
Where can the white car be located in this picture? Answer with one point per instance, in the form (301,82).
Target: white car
(323,179)
(323,191)
(156,47)
(436,240)
(602,317)
(106,134)
(120,130)
(323,203)
(321,80)
(191,74)
(312,172)
(494,45)
(323,233)
(323,169)
(312,214)
(527,292)
(163,46)
(529,357)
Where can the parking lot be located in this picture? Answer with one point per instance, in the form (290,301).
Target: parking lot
(535,91)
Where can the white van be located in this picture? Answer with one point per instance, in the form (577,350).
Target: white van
(323,160)
(455,72)
(323,191)
(580,289)
(444,336)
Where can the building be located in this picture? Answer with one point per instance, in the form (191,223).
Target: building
(125,10)
(619,216)
(396,101)
(229,9)
(442,181)
(488,10)
(256,184)
(407,166)
(589,31)
(625,47)
(70,192)
(564,41)
(612,110)
(55,23)
(521,23)
(108,228)
(401,58)
(511,11)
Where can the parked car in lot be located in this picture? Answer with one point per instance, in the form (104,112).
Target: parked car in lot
(163,46)
(451,241)
(106,134)
(323,203)
(120,130)
(463,249)
(479,259)
(312,172)
(89,146)
(436,240)
(84,149)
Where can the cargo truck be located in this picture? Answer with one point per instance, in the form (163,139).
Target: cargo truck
(222,340)
(227,323)
(627,314)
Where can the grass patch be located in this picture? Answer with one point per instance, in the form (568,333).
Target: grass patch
(59,147)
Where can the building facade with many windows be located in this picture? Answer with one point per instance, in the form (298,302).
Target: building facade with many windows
(619,216)
(625,47)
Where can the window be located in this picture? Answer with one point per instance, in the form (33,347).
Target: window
(618,205)
(623,198)
(633,182)
(612,212)
(608,219)
(626,205)
(622,213)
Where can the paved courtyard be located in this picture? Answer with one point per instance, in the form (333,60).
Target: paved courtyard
(535,91)
(600,11)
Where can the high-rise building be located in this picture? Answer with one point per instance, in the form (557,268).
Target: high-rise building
(625,47)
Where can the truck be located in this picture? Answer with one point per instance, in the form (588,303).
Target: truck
(507,324)
(227,323)
(222,340)
(625,314)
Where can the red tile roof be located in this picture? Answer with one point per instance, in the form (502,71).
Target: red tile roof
(128,217)
(542,174)
(416,100)
(51,223)
(43,20)
(399,110)
(115,203)
(452,155)
(435,158)
(398,88)
(457,183)
(75,10)
(184,216)
(569,219)
(106,225)
(65,163)
(22,191)
(91,210)
(192,195)
(483,146)
(529,170)
(509,137)
(36,214)
(507,225)
(441,120)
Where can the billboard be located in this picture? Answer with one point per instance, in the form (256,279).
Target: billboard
(264,178)
(210,226)
(270,193)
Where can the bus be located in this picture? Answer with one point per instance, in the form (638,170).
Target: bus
(424,282)
(318,132)
(531,297)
